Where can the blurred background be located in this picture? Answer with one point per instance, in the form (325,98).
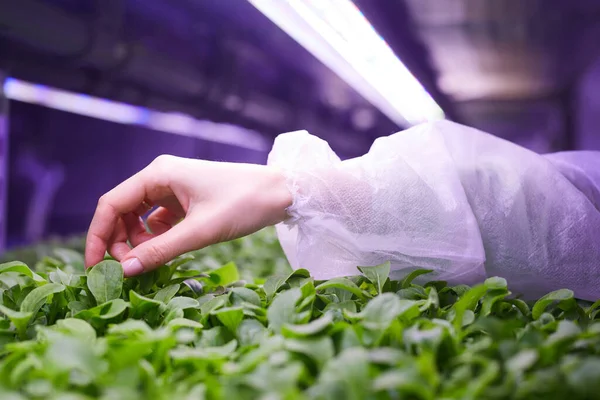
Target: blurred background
(91,91)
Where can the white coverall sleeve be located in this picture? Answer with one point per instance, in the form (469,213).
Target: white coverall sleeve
(449,198)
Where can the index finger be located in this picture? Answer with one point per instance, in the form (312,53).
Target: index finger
(124,198)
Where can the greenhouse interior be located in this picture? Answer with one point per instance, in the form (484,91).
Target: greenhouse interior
(299,199)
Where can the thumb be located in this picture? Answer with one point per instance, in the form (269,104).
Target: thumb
(157,251)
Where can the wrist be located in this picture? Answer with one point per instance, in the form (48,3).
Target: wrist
(278,197)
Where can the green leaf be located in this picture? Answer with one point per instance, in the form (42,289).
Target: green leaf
(214,304)
(142,306)
(341,283)
(205,353)
(345,377)
(386,356)
(21,268)
(58,276)
(433,300)
(231,317)
(583,377)
(38,296)
(311,329)
(495,283)
(566,330)
(412,293)
(16,266)
(383,309)
(166,294)
(277,281)
(112,308)
(70,354)
(108,310)
(19,319)
(407,281)
(591,311)
(283,309)
(76,327)
(131,328)
(181,260)
(179,323)
(348,305)
(522,361)
(521,306)
(377,275)
(182,303)
(225,275)
(559,296)
(242,294)
(251,332)
(272,285)
(319,349)
(216,336)
(407,383)
(467,302)
(491,298)
(105,281)
(77,306)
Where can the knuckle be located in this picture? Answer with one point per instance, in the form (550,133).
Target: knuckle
(157,255)
(159,171)
(104,202)
(163,160)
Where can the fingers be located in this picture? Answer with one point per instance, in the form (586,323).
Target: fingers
(136,230)
(118,246)
(123,199)
(161,220)
(152,253)
(143,208)
(128,197)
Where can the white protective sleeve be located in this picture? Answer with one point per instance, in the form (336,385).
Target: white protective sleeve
(445,197)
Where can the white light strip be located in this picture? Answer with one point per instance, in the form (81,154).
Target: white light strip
(132,115)
(336,33)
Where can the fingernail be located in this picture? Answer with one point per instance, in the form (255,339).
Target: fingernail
(133,267)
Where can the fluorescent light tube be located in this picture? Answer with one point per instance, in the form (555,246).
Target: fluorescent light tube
(113,111)
(337,33)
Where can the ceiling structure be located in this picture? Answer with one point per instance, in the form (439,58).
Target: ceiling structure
(506,49)
(507,66)
(510,66)
(219,60)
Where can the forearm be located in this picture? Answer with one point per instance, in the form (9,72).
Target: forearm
(448,198)
(537,218)
(384,206)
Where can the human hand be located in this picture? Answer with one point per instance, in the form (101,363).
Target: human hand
(199,203)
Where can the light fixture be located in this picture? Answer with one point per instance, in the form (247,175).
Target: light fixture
(113,111)
(337,33)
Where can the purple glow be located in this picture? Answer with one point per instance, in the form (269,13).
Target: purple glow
(113,111)
(3,166)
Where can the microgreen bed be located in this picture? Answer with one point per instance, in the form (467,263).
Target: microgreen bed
(203,327)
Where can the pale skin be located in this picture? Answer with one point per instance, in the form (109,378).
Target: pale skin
(199,203)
